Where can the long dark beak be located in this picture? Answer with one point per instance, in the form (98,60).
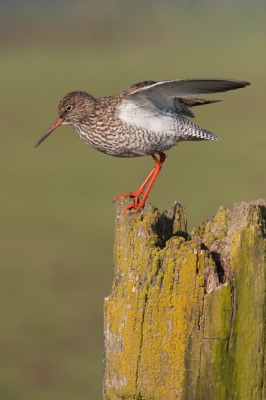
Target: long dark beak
(57,123)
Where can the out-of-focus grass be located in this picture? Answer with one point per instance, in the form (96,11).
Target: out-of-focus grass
(57,216)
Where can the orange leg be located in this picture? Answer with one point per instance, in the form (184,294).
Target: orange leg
(140,202)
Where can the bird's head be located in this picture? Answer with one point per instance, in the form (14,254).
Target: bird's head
(73,109)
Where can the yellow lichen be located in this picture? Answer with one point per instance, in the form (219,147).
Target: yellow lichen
(167,339)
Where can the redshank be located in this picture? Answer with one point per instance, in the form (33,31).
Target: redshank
(146,119)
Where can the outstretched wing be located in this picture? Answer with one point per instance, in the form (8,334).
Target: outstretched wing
(186,87)
(162,93)
(148,99)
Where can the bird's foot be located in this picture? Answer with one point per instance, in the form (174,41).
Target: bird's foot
(138,204)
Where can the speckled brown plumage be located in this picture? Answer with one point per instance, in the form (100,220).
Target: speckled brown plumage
(147,118)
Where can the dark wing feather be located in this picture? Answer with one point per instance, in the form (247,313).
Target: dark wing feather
(163,94)
(184,103)
(189,87)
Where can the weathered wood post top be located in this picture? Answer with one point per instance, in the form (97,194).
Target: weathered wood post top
(186,315)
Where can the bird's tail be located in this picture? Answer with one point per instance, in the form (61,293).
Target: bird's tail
(190,131)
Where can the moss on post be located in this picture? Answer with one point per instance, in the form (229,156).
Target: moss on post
(186,316)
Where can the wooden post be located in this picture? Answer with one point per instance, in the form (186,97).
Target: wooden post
(186,316)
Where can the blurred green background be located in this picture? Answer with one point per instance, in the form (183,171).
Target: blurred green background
(57,216)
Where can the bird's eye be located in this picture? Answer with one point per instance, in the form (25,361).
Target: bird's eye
(69,108)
